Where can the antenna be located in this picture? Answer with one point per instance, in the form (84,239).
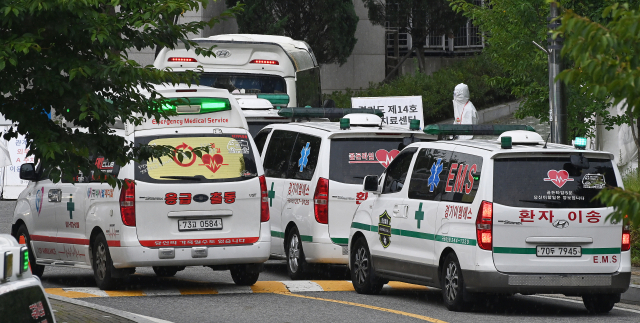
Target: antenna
(545,143)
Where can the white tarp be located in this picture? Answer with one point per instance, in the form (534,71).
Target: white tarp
(398,110)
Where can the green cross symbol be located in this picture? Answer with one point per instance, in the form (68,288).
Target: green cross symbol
(272,194)
(419,215)
(71,206)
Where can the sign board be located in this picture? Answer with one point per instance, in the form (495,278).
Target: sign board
(13,185)
(398,110)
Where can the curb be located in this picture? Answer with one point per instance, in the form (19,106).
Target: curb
(113,311)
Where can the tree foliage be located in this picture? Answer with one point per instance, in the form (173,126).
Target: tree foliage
(328,26)
(71,56)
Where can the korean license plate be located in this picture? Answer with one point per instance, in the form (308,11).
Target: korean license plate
(196,225)
(546,251)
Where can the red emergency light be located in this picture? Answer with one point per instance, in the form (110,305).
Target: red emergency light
(264,61)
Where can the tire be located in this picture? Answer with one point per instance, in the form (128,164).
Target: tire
(103,270)
(296,263)
(600,303)
(245,275)
(452,284)
(363,276)
(36,269)
(166,271)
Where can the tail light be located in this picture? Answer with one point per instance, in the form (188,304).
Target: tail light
(484,225)
(128,203)
(626,238)
(264,200)
(321,201)
(264,61)
(182,59)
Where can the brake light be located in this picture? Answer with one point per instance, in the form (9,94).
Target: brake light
(182,59)
(264,200)
(128,203)
(484,225)
(321,201)
(626,238)
(264,61)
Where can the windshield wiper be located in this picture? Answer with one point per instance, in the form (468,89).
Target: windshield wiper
(188,178)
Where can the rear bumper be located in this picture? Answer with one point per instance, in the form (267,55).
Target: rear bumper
(126,257)
(324,253)
(572,284)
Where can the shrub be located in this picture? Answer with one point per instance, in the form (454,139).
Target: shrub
(632,183)
(437,89)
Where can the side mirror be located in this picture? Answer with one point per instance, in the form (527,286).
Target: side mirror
(371,183)
(28,172)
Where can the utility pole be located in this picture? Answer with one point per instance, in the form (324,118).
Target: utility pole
(557,95)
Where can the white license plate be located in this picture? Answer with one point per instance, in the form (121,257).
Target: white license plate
(544,251)
(204,224)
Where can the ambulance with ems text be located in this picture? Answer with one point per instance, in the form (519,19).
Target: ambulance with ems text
(192,211)
(477,218)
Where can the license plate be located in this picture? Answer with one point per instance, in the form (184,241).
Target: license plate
(544,251)
(197,225)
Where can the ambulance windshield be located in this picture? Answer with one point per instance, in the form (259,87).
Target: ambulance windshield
(354,158)
(250,83)
(550,182)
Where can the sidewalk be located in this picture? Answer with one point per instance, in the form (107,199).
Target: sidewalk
(68,310)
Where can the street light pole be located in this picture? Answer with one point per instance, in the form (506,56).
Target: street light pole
(557,96)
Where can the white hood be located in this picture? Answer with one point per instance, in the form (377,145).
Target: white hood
(463,110)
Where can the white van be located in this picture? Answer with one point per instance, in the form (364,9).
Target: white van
(279,69)
(478,217)
(314,175)
(209,211)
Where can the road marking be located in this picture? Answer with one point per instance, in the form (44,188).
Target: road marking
(297,286)
(335,285)
(118,293)
(198,291)
(70,294)
(382,309)
(560,298)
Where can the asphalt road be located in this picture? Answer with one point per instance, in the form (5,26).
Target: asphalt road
(163,300)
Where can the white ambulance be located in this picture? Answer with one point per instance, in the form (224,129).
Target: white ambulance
(278,69)
(314,176)
(210,210)
(480,217)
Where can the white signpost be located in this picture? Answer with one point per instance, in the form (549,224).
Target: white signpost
(398,110)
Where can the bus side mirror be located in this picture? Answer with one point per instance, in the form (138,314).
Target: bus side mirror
(371,183)
(28,172)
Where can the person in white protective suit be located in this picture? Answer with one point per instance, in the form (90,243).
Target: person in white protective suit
(463,110)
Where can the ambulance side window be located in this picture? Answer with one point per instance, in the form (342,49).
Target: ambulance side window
(278,153)
(397,171)
(463,178)
(304,157)
(429,174)
(107,167)
(261,139)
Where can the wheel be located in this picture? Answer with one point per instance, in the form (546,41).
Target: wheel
(245,275)
(296,263)
(166,271)
(103,270)
(362,275)
(22,235)
(600,303)
(452,284)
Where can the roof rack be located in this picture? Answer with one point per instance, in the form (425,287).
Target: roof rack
(466,129)
(331,113)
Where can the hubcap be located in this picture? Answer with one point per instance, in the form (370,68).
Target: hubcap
(101,261)
(451,282)
(361,266)
(294,253)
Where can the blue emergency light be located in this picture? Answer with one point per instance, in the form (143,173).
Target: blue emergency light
(580,142)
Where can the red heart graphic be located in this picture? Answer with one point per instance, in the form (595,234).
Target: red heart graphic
(558,177)
(386,157)
(213,163)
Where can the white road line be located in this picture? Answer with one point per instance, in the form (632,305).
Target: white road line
(233,289)
(299,286)
(580,302)
(88,290)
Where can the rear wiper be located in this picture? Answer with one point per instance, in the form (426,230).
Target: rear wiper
(541,202)
(188,178)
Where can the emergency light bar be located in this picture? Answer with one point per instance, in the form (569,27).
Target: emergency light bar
(198,105)
(468,129)
(331,113)
(275,99)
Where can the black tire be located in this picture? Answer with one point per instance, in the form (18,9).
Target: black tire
(245,275)
(452,284)
(36,269)
(166,271)
(363,277)
(296,262)
(600,303)
(103,270)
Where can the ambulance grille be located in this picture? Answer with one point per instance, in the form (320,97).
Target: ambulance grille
(555,280)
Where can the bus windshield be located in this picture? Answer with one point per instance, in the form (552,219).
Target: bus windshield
(250,83)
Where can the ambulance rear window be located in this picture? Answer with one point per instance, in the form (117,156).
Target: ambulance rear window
(230,158)
(250,83)
(354,158)
(550,182)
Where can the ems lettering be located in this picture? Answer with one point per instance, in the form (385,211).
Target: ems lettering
(608,259)
(462,180)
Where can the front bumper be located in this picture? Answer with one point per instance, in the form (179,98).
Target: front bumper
(570,284)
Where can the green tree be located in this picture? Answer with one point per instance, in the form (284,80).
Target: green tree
(328,26)
(419,18)
(607,63)
(71,56)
